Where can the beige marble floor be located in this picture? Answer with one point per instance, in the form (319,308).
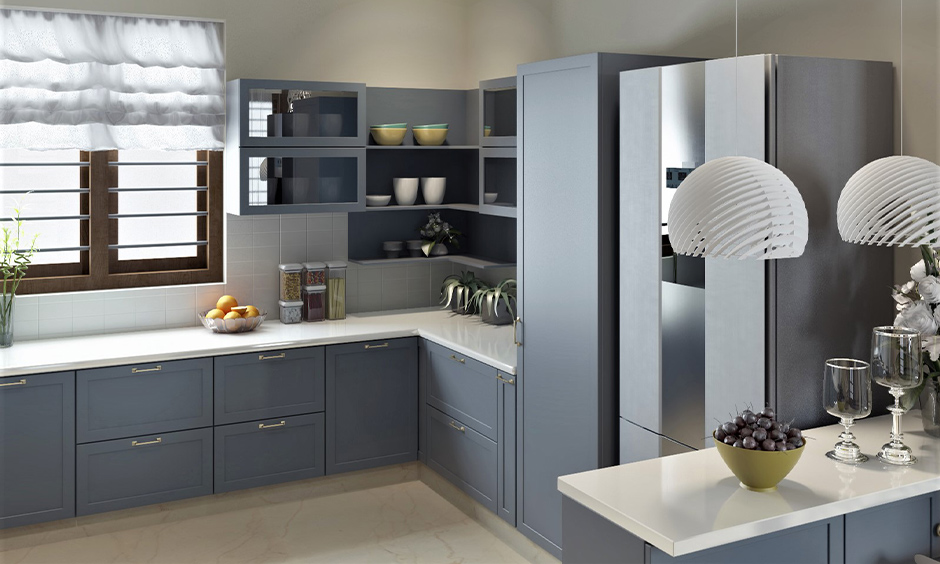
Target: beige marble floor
(400,522)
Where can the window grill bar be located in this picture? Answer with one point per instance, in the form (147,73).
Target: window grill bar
(154,245)
(169,214)
(82,163)
(161,189)
(158,163)
(56,249)
(49,191)
(83,217)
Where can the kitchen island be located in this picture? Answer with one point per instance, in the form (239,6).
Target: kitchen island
(690,508)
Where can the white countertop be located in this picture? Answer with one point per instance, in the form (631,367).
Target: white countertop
(490,344)
(690,502)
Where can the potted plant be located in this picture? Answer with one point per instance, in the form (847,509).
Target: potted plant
(457,290)
(14,261)
(437,234)
(496,304)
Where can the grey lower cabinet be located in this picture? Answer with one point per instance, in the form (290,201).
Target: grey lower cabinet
(372,404)
(37,448)
(506,448)
(143,470)
(463,456)
(260,453)
(893,533)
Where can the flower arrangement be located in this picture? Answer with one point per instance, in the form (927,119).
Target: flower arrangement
(918,305)
(15,259)
(435,232)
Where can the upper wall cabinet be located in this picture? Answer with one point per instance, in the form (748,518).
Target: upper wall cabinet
(290,113)
(498,112)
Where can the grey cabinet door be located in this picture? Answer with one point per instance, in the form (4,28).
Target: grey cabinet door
(268,384)
(463,456)
(891,533)
(127,401)
(372,404)
(423,367)
(143,470)
(259,453)
(463,388)
(506,445)
(37,448)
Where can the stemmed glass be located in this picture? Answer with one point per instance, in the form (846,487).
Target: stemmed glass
(847,395)
(896,364)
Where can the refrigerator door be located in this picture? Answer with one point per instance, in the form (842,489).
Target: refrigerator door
(637,443)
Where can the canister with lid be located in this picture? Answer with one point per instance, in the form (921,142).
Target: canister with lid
(314,298)
(290,281)
(314,274)
(336,290)
(291,311)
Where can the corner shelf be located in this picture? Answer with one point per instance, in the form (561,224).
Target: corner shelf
(465,260)
(502,210)
(423,147)
(473,208)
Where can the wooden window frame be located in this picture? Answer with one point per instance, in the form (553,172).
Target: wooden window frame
(99,267)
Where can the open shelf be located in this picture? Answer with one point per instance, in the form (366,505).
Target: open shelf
(423,147)
(460,207)
(502,210)
(465,260)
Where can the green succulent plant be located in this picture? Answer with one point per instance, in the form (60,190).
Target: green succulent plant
(505,291)
(457,290)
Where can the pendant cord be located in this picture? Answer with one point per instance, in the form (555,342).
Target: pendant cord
(736,148)
(901,77)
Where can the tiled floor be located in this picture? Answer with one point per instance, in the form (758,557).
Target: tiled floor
(400,522)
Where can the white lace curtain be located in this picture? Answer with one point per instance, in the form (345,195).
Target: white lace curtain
(98,82)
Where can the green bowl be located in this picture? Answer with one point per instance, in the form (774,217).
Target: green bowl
(431,126)
(389,126)
(759,470)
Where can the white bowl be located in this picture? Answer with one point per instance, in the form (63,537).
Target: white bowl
(377,201)
(489,197)
(432,187)
(406,190)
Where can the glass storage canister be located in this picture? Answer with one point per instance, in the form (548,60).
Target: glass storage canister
(336,290)
(314,298)
(291,311)
(290,281)
(314,274)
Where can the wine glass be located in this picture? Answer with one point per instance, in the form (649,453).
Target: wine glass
(847,395)
(896,364)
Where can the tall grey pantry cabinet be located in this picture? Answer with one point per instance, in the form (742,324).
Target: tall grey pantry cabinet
(567,244)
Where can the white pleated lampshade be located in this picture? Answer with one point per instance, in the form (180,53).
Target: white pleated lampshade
(892,201)
(738,207)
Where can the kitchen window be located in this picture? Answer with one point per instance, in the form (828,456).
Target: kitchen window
(111,148)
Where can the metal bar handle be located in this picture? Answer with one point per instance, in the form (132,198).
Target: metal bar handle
(515,323)
(156,441)
(460,428)
(21,382)
(273,356)
(156,368)
(273,425)
(460,360)
(511,381)
(382,346)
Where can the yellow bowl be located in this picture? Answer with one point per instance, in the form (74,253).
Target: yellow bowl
(430,136)
(388,135)
(759,470)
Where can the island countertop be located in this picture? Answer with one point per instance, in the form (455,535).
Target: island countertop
(467,335)
(690,502)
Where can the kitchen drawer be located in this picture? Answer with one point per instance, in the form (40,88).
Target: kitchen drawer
(142,399)
(269,384)
(463,456)
(143,470)
(268,452)
(462,388)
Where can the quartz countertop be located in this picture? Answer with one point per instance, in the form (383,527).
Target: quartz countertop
(689,502)
(467,335)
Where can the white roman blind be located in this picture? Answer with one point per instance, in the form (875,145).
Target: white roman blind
(102,82)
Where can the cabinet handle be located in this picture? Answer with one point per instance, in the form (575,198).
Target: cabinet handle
(156,441)
(21,382)
(273,356)
(460,428)
(936,531)
(515,323)
(156,368)
(273,425)
(511,381)
(382,346)
(460,360)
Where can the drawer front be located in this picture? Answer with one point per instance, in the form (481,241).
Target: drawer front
(463,456)
(127,401)
(37,448)
(269,384)
(462,388)
(268,452)
(143,470)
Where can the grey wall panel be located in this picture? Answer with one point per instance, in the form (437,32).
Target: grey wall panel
(833,117)
(37,448)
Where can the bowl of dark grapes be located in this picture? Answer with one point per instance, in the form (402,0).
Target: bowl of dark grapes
(759,450)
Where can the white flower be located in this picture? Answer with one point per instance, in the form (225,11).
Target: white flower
(903,302)
(929,289)
(932,347)
(919,271)
(908,287)
(919,318)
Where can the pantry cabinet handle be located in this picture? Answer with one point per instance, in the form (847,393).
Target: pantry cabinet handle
(382,346)
(460,428)
(156,441)
(21,382)
(511,381)
(515,323)
(156,368)
(936,531)
(273,356)
(460,360)
(273,425)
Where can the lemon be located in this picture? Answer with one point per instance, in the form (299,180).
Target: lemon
(226,303)
(251,311)
(215,314)
(232,315)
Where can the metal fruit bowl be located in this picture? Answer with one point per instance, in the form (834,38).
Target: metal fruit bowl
(241,325)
